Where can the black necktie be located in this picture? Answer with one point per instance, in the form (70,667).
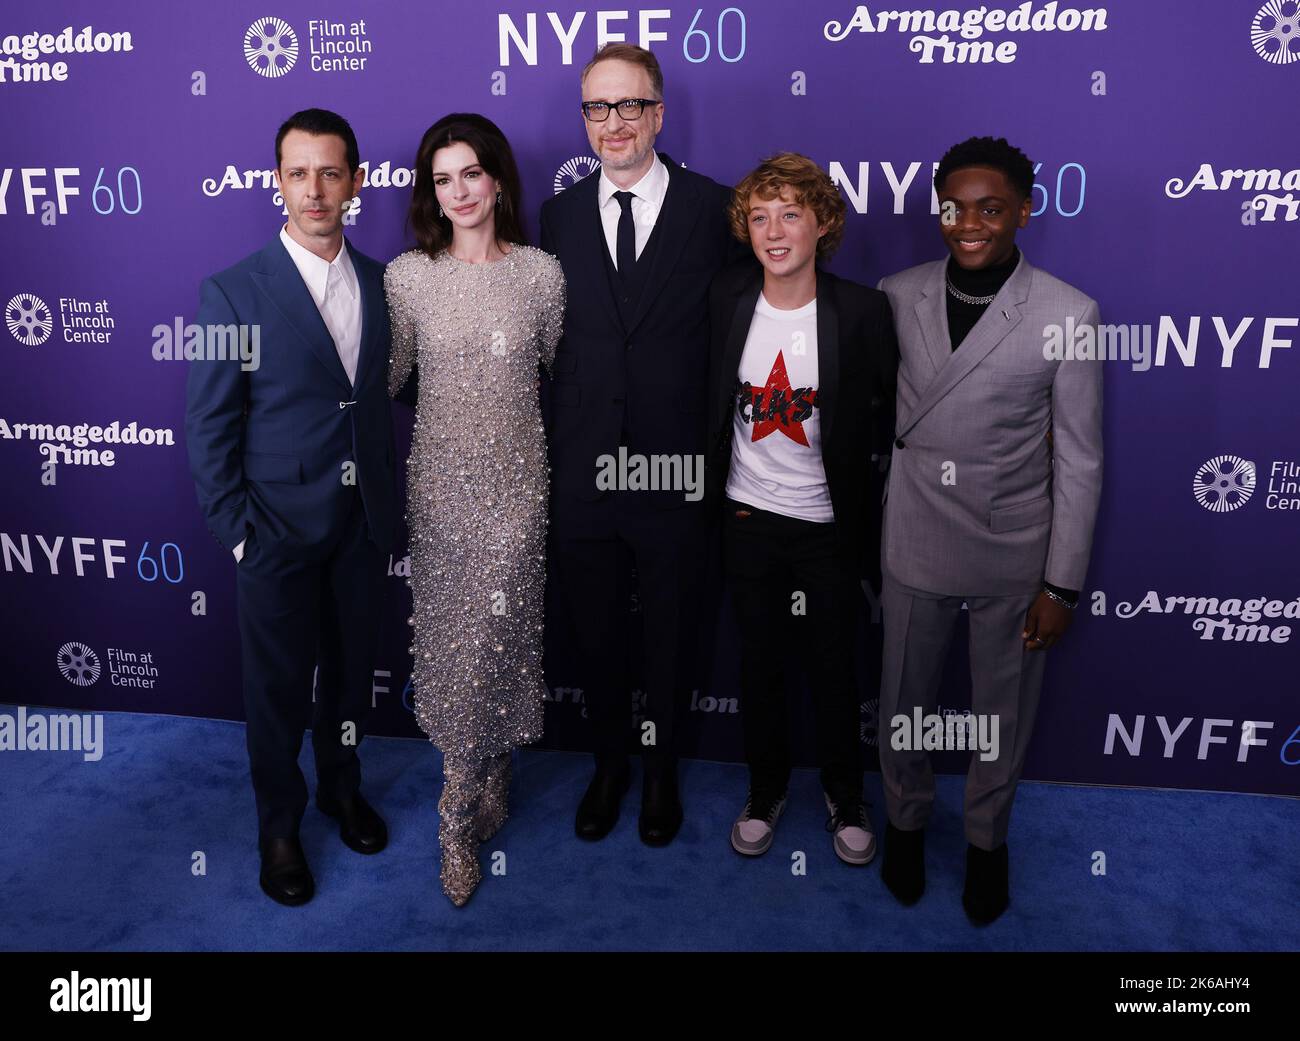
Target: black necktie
(625,251)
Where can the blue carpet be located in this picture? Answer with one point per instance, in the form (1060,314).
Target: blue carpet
(97,856)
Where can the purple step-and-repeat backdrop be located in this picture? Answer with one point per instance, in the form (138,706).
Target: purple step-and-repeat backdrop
(138,147)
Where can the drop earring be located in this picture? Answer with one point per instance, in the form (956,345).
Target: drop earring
(440,213)
(498,196)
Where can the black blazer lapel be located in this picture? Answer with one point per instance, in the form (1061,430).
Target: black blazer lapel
(283,286)
(594,247)
(742,316)
(677,217)
(828,355)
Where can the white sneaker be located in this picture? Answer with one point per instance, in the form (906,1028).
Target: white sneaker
(854,842)
(755,828)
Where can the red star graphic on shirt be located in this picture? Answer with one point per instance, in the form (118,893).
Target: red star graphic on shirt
(775,400)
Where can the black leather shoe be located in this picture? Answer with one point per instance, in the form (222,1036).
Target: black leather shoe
(661,808)
(598,811)
(903,871)
(986,894)
(285,877)
(360,827)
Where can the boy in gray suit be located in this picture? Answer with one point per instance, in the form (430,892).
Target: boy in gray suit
(991,500)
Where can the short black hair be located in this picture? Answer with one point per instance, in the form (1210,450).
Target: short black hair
(321,121)
(988,151)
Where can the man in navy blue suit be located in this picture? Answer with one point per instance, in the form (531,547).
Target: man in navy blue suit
(293,465)
(639,243)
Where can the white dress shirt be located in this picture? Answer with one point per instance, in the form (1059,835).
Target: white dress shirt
(337,295)
(333,287)
(648,199)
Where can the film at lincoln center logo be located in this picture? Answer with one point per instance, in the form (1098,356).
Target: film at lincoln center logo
(29,320)
(1224,483)
(78,663)
(271,47)
(1275,32)
(574,171)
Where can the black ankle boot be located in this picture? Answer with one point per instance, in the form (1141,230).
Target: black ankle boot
(661,804)
(904,868)
(598,811)
(986,894)
(285,876)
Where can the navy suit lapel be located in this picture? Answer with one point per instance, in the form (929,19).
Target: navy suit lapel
(371,289)
(279,280)
(677,216)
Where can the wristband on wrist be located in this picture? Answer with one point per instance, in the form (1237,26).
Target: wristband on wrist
(1060,599)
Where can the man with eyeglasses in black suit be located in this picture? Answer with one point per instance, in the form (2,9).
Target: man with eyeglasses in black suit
(639,243)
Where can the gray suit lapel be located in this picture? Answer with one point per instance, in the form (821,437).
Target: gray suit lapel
(1001,317)
(932,314)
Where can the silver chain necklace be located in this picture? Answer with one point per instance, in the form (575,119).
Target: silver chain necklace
(966,298)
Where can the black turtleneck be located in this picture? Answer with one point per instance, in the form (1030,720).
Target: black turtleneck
(984,282)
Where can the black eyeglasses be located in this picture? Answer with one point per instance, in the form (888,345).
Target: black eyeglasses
(628,109)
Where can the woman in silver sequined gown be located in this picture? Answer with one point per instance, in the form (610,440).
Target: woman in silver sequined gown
(474,311)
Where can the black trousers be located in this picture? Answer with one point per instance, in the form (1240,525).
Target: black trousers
(768,559)
(667,549)
(294,616)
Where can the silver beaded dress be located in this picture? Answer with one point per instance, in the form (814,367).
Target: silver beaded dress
(476,489)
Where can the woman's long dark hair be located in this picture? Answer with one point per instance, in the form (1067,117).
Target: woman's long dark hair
(432,232)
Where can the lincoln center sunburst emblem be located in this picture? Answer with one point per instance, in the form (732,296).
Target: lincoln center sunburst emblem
(1224,483)
(271,47)
(574,171)
(1275,32)
(869,724)
(78,663)
(29,319)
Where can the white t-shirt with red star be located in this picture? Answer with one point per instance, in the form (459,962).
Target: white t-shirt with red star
(776,450)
